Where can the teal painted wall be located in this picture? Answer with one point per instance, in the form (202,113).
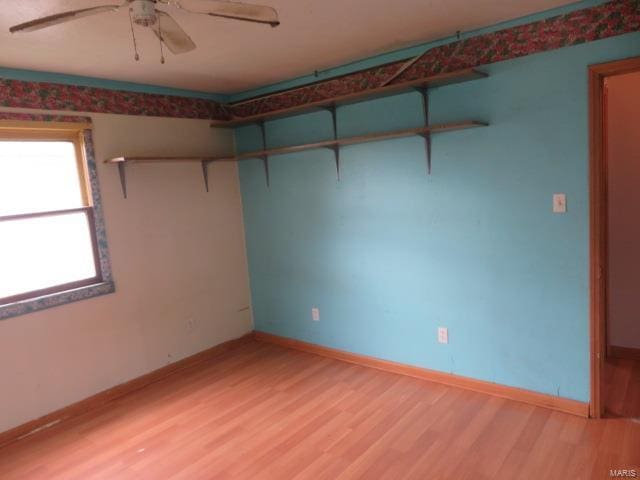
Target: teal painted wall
(389,254)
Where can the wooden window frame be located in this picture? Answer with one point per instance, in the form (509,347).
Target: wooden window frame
(31,131)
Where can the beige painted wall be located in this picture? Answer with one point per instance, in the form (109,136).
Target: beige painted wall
(623,159)
(177,253)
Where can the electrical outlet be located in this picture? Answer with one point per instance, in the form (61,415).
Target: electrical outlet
(315,314)
(191,324)
(443,335)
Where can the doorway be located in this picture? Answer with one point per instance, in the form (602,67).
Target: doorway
(614,236)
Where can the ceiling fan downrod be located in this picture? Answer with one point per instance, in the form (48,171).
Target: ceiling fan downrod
(160,39)
(133,36)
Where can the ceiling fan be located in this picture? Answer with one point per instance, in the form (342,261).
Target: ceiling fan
(145,13)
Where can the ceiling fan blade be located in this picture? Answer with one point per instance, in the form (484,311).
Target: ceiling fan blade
(51,20)
(172,34)
(235,10)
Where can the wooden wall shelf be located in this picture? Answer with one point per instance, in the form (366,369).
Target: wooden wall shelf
(392,89)
(421,85)
(159,159)
(372,137)
(334,145)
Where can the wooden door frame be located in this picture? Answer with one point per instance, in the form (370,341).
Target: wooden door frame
(598,221)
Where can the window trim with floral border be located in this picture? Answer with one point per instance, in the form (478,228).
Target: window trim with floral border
(103,282)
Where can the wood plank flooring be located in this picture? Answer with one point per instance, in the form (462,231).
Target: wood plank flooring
(622,388)
(265,412)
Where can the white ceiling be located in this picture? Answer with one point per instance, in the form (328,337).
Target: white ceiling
(234,56)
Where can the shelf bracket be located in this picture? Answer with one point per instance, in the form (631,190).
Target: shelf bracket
(205,173)
(265,158)
(336,152)
(123,178)
(265,163)
(424,92)
(332,109)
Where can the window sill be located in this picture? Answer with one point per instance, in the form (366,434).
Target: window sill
(35,304)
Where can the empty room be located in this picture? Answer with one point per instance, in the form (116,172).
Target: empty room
(319,239)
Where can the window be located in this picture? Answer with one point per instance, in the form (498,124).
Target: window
(48,239)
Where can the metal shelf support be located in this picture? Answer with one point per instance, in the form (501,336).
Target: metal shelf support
(123,178)
(205,173)
(424,92)
(265,158)
(332,109)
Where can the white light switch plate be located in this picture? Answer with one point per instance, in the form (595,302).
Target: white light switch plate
(559,203)
(315,314)
(443,335)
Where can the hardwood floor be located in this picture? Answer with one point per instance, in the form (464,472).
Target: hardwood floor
(265,412)
(622,387)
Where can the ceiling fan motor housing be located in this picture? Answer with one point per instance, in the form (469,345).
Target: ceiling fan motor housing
(144,12)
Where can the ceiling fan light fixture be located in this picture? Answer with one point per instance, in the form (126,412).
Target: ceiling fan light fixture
(143,13)
(163,25)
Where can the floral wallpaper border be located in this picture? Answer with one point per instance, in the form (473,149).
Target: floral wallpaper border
(603,21)
(42,117)
(57,96)
(107,285)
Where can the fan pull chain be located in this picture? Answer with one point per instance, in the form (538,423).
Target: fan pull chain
(160,39)
(133,35)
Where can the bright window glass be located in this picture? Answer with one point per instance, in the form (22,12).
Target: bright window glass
(38,176)
(47,242)
(42,252)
